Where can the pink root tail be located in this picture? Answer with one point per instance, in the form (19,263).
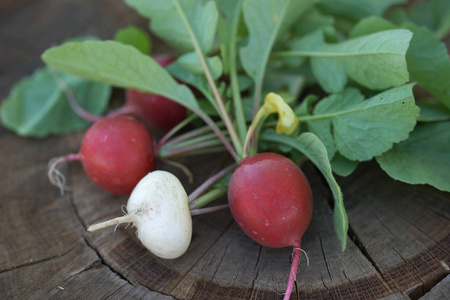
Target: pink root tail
(293,274)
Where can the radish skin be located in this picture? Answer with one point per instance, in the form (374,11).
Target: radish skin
(271,201)
(116,152)
(157,111)
(158,208)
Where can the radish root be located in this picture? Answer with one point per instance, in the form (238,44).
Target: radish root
(306,254)
(293,273)
(112,222)
(55,176)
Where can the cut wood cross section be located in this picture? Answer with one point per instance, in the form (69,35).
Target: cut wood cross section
(399,236)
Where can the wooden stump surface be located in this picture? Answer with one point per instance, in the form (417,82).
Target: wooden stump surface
(399,236)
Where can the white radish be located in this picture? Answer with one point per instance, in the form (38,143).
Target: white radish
(158,207)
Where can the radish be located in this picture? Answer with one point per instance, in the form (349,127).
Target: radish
(116,152)
(271,201)
(158,207)
(156,110)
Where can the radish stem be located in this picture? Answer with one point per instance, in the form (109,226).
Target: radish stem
(220,104)
(187,136)
(72,100)
(182,167)
(183,150)
(174,130)
(207,198)
(205,210)
(210,181)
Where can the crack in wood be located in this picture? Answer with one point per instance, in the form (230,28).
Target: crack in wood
(36,262)
(324,256)
(360,245)
(103,261)
(220,262)
(326,287)
(203,255)
(257,271)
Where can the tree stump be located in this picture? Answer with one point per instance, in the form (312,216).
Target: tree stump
(399,236)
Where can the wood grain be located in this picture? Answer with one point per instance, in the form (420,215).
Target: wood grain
(399,238)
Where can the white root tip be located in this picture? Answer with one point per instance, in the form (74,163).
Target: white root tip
(55,176)
(304,252)
(112,222)
(307,258)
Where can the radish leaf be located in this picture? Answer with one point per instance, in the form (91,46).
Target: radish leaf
(429,64)
(227,29)
(266,21)
(432,111)
(136,37)
(427,58)
(343,166)
(424,158)
(168,24)
(37,107)
(190,62)
(433,14)
(120,65)
(355,10)
(185,76)
(376,61)
(361,129)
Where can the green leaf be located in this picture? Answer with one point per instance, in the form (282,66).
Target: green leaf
(37,107)
(312,21)
(305,107)
(429,64)
(427,58)
(280,80)
(370,25)
(266,21)
(355,10)
(343,166)
(361,129)
(228,29)
(195,80)
(169,17)
(433,14)
(376,61)
(190,62)
(228,25)
(424,158)
(135,37)
(311,146)
(431,111)
(119,65)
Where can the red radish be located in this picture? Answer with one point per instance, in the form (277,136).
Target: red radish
(271,200)
(116,152)
(156,110)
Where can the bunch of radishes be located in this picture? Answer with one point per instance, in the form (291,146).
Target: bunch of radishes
(268,194)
